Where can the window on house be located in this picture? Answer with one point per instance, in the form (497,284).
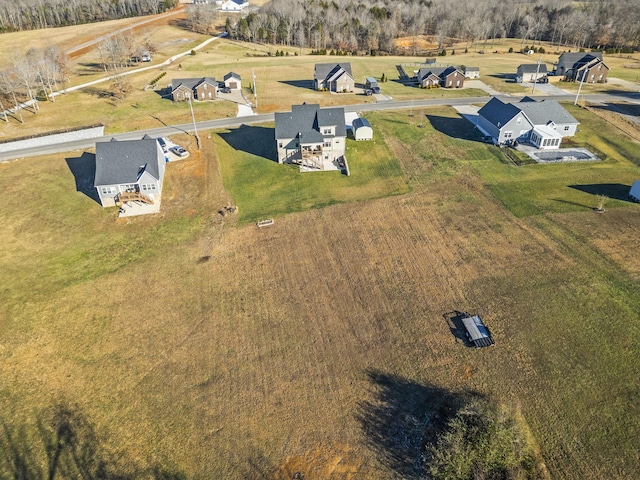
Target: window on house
(508,134)
(518,120)
(279,144)
(108,190)
(566,129)
(148,187)
(326,144)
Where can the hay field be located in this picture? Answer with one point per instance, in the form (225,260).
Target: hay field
(199,347)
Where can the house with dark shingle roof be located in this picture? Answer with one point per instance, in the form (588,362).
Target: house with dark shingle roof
(200,89)
(448,77)
(335,77)
(131,168)
(311,136)
(531,72)
(542,123)
(580,66)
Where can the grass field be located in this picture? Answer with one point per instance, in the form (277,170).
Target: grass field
(198,346)
(278,79)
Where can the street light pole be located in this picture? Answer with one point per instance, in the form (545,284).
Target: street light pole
(193,119)
(535,79)
(580,87)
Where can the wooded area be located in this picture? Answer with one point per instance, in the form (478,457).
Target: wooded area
(32,14)
(373,25)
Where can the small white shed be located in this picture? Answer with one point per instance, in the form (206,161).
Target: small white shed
(362,129)
(634,193)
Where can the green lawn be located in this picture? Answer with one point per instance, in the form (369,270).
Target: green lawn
(262,188)
(569,187)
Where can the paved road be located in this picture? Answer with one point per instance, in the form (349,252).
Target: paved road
(168,61)
(268,117)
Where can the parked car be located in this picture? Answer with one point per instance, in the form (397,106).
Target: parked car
(368,91)
(179,151)
(225,89)
(375,89)
(163,144)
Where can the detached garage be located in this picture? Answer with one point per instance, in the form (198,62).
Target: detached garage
(362,129)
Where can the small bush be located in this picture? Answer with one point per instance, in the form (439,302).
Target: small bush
(510,49)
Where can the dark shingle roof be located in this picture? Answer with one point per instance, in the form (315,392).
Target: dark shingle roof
(361,122)
(120,162)
(307,120)
(191,83)
(497,112)
(571,58)
(231,75)
(323,70)
(532,68)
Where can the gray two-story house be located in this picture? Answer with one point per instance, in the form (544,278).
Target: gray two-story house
(311,136)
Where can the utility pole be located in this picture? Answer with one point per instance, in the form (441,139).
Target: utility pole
(536,77)
(255,94)
(193,118)
(580,87)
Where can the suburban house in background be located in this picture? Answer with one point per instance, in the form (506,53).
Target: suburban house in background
(445,77)
(335,77)
(542,124)
(182,89)
(232,5)
(580,66)
(130,171)
(313,137)
(470,72)
(531,72)
(233,81)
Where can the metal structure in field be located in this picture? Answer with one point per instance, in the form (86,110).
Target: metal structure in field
(477,332)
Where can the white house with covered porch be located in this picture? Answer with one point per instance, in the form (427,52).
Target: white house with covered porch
(311,136)
(543,124)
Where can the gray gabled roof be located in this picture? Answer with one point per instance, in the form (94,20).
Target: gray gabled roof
(532,68)
(123,162)
(307,120)
(497,112)
(440,72)
(569,60)
(361,122)
(191,83)
(231,75)
(545,111)
(323,70)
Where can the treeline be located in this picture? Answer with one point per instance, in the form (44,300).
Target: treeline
(32,14)
(373,25)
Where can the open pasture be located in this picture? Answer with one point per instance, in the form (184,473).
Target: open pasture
(198,346)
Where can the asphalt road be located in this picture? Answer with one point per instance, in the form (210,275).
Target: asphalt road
(268,117)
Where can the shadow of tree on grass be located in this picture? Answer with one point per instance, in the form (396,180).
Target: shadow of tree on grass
(64,444)
(404,417)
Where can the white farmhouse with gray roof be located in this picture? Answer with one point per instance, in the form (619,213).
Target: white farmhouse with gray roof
(531,72)
(311,136)
(543,123)
(131,170)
